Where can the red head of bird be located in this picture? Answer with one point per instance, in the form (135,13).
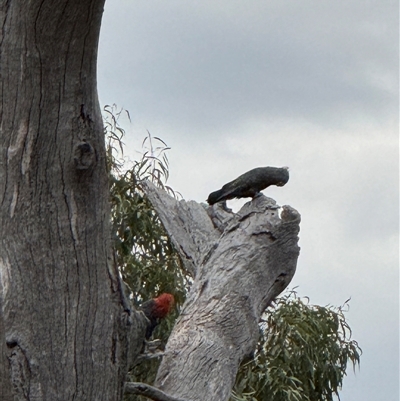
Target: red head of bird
(163,305)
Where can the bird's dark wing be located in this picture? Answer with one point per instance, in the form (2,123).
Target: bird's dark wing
(228,191)
(147,307)
(250,183)
(150,328)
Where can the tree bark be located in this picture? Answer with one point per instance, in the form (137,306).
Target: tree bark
(240,263)
(63,327)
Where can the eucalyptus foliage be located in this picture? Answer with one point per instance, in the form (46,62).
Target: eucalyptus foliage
(304,349)
(144,254)
(302,354)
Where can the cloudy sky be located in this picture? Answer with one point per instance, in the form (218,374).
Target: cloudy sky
(232,85)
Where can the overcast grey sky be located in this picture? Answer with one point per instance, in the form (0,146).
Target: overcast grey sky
(313,85)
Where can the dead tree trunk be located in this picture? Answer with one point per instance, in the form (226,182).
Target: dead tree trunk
(240,263)
(61,333)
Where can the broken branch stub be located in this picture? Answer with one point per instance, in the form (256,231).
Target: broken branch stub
(240,263)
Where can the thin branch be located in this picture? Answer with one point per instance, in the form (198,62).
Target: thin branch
(148,391)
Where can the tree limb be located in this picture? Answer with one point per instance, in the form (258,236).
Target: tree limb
(188,225)
(241,262)
(148,391)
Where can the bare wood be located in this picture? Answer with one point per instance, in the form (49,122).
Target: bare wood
(188,225)
(148,391)
(238,273)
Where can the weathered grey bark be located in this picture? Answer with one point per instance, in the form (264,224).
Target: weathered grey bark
(63,327)
(240,263)
(148,391)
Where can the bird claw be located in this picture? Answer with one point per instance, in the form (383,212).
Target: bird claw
(225,207)
(149,355)
(153,346)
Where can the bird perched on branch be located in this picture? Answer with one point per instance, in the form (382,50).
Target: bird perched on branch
(156,309)
(250,184)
